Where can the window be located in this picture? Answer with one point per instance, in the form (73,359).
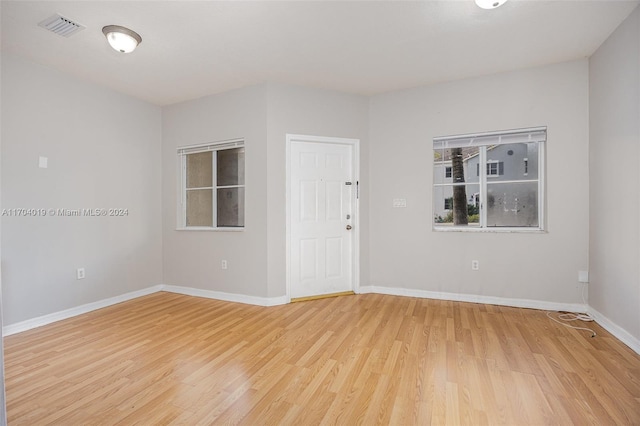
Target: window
(505,195)
(212,185)
(448,203)
(447,172)
(495,168)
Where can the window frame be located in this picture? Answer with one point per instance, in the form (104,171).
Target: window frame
(448,205)
(484,141)
(490,164)
(214,147)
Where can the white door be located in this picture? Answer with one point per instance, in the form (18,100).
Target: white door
(322,202)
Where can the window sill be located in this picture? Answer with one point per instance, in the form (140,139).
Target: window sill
(207,228)
(489,230)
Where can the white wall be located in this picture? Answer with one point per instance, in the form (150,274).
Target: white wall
(192,258)
(406,253)
(103,152)
(614,289)
(305,111)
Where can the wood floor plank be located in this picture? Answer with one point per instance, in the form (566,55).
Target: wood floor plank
(365,359)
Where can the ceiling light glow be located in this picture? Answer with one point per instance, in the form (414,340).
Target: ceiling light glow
(121,39)
(490,4)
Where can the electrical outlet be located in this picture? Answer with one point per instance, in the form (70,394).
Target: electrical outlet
(583,276)
(80,273)
(224,264)
(475,265)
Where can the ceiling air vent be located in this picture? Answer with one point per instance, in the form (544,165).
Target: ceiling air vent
(62,26)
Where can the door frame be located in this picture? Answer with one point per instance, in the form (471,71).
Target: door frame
(355,253)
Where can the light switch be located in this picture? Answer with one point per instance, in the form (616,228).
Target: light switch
(43,162)
(399,203)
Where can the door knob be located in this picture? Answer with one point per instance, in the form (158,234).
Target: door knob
(348,227)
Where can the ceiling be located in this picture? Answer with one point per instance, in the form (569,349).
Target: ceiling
(195,48)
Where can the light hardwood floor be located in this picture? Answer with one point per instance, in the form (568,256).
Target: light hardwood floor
(366,359)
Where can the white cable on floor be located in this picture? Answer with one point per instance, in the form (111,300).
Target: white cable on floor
(575,317)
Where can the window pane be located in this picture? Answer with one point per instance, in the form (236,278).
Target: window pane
(443,205)
(200,207)
(231,167)
(512,204)
(199,170)
(507,162)
(443,165)
(231,207)
(509,196)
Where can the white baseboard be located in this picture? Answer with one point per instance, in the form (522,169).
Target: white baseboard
(72,312)
(605,322)
(620,333)
(474,298)
(227,297)
(83,309)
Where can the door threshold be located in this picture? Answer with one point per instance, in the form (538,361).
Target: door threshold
(321,296)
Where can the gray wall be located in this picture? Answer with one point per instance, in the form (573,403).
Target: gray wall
(3,405)
(103,151)
(263,115)
(614,288)
(406,253)
(193,258)
(299,110)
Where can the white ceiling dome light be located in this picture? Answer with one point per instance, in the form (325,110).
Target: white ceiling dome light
(121,39)
(490,4)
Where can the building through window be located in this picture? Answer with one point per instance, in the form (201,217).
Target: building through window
(496,180)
